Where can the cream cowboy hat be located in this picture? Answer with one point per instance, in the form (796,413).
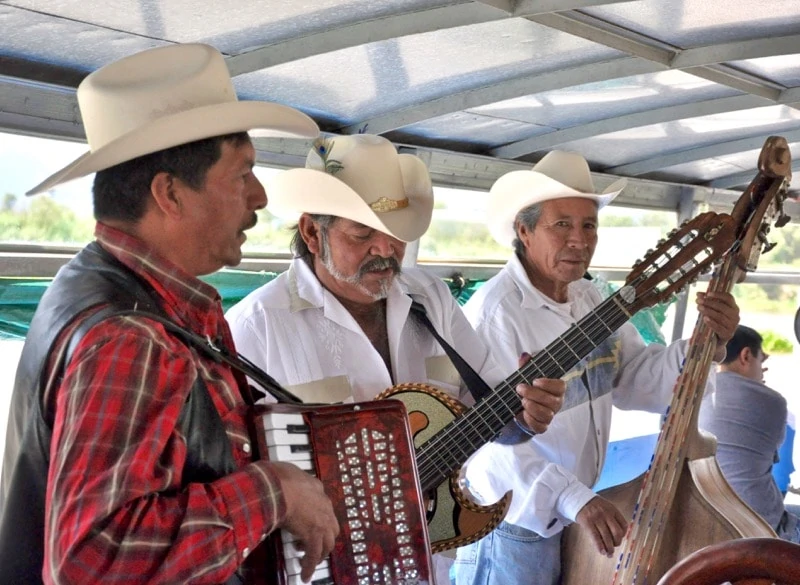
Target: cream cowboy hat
(361,178)
(559,174)
(162,98)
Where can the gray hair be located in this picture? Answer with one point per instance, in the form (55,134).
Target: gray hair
(528,217)
(298,245)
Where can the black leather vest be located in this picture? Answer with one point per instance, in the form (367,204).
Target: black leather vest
(92,278)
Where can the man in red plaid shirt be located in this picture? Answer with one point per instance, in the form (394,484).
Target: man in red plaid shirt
(128,456)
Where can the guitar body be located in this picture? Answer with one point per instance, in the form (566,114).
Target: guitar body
(454,519)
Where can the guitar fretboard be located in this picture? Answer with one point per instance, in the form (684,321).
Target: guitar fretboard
(449,449)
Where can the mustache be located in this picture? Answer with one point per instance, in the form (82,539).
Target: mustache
(378,264)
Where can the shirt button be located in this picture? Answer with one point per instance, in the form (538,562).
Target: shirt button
(246,447)
(245,552)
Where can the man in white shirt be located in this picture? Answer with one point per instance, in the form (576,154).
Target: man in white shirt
(336,325)
(549,215)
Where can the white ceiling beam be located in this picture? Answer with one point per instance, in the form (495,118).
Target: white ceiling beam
(694,154)
(395,26)
(506,90)
(607,34)
(531,7)
(736,51)
(738,80)
(742,178)
(622,39)
(360,33)
(646,118)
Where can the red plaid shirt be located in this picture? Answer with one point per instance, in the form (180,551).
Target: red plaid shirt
(115,508)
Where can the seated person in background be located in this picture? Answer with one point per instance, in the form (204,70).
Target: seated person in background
(128,458)
(549,216)
(336,326)
(749,420)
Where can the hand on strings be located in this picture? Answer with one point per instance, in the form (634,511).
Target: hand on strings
(721,313)
(309,516)
(604,523)
(541,400)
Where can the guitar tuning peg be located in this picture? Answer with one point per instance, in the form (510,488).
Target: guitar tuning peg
(768,246)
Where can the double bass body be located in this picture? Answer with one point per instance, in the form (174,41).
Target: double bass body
(705,511)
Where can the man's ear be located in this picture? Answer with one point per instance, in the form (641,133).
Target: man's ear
(745,356)
(166,192)
(310,232)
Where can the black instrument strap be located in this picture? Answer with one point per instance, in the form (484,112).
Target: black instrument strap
(475,384)
(220,354)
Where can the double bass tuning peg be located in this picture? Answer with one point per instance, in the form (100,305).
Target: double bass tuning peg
(782,220)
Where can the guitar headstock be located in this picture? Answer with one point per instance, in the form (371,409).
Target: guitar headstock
(761,205)
(679,260)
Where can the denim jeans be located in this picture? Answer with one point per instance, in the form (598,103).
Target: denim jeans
(789,527)
(510,555)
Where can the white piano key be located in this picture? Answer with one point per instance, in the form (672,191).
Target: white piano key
(281,420)
(293,565)
(280,437)
(285,453)
(319,575)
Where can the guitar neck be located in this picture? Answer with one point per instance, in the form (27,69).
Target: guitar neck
(449,449)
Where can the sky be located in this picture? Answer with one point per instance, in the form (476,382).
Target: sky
(25,161)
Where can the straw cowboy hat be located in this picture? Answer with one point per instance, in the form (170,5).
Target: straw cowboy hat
(559,174)
(361,178)
(162,98)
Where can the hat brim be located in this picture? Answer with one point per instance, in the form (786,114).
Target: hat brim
(517,190)
(297,191)
(184,127)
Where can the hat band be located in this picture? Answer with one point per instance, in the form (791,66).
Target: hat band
(384,204)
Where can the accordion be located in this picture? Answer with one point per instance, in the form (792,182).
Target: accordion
(364,456)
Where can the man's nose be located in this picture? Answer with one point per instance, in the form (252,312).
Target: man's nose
(384,245)
(257,196)
(577,238)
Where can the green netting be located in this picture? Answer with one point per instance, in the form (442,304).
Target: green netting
(20,296)
(647,321)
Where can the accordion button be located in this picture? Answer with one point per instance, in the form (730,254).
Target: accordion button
(246,447)
(245,552)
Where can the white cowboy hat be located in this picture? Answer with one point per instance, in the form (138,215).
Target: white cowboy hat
(559,174)
(361,178)
(162,98)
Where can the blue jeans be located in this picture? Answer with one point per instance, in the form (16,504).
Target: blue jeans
(789,527)
(510,555)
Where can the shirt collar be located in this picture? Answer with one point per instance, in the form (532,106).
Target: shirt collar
(185,295)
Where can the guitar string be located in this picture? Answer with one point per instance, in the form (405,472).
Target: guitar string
(505,399)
